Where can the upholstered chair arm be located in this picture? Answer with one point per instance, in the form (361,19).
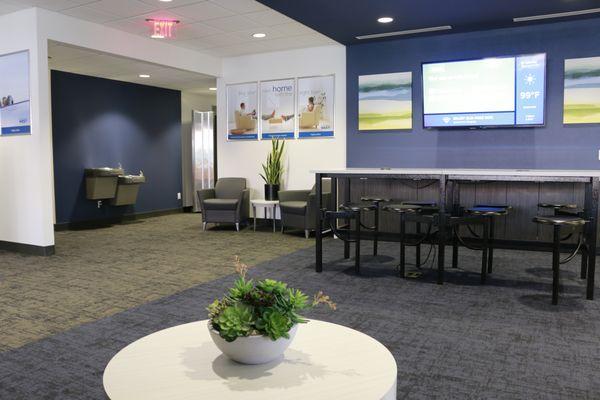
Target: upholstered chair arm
(293,195)
(204,194)
(243,206)
(312,204)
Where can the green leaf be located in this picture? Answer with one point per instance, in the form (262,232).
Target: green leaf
(235,321)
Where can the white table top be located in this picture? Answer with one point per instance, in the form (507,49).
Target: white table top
(325,361)
(462,171)
(263,202)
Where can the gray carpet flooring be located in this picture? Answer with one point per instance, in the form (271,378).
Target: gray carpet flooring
(461,340)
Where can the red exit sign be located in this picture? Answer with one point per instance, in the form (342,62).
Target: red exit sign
(163,28)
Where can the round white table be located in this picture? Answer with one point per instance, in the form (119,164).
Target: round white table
(267,205)
(325,361)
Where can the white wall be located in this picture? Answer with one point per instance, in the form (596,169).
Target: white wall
(244,158)
(26,180)
(26,162)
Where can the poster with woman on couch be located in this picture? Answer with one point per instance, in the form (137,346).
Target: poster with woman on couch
(315,106)
(15,114)
(242,111)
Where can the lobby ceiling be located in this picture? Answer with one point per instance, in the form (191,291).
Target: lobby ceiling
(218,27)
(343,20)
(78,60)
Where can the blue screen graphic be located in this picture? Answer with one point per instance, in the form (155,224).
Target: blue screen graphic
(503,91)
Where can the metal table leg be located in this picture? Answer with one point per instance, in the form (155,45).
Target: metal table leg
(254,212)
(591,211)
(318,224)
(274,211)
(442,227)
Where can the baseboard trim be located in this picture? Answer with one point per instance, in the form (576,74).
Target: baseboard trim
(29,249)
(95,223)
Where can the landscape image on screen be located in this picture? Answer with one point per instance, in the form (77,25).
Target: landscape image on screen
(385,101)
(582,91)
(487,92)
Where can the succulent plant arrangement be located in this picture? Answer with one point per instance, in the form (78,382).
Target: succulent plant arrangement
(267,307)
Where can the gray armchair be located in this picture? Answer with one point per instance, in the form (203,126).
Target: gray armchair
(228,202)
(299,207)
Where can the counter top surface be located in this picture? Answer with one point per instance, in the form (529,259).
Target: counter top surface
(461,171)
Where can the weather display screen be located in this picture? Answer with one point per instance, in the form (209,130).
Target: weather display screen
(502,91)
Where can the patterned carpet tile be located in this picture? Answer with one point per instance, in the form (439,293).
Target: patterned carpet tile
(100,272)
(461,340)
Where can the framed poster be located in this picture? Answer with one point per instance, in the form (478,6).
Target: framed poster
(242,111)
(582,91)
(15,108)
(385,101)
(277,109)
(315,104)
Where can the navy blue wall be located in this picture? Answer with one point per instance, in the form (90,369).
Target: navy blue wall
(99,122)
(554,146)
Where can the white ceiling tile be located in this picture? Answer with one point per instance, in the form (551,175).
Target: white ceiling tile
(195,30)
(174,3)
(246,35)
(122,8)
(202,11)
(132,25)
(269,18)
(224,39)
(90,14)
(164,14)
(239,49)
(53,5)
(233,24)
(241,6)
(293,29)
(195,44)
(9,8)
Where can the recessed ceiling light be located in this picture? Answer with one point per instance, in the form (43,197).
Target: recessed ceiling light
(166,1)
(385,20)
(212,88)
(259,35)
(557,15)
(156,36)
(144,76)
(407,32)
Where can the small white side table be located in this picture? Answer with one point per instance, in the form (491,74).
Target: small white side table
(324,362)
(267,205)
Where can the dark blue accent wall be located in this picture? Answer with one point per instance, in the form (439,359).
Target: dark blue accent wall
(99,122)
(554,146)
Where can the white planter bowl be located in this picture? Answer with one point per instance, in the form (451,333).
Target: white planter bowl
(252,349)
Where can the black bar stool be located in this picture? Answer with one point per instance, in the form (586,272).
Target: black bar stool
(491,212)
(557,222)
(403,210)
(430,215)
(569,210)
(427,207)
(376,201)
(363,207)
(347,232)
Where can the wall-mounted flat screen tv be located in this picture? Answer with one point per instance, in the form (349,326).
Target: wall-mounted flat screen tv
(483,93)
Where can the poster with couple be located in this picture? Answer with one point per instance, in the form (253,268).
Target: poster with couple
(15,115)
(242,111)
(277,120)
(315,106)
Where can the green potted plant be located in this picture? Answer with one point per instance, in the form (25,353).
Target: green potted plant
(273,169)
(256,321)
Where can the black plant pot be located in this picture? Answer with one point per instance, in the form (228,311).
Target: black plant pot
(271,192)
